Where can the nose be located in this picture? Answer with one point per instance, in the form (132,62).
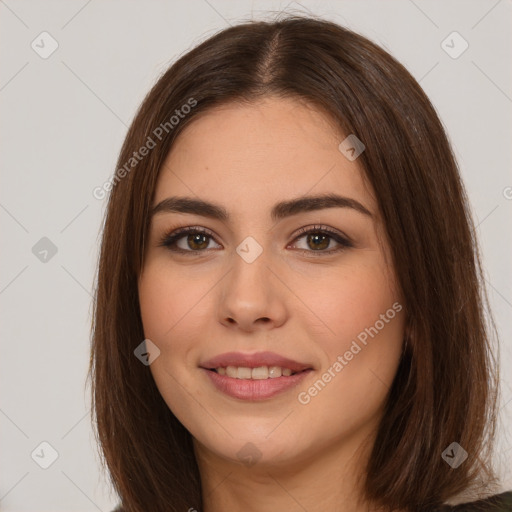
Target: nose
(252,297)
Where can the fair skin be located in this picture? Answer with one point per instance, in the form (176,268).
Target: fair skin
(296,300)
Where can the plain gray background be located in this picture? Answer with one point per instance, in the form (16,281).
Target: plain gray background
(63,121)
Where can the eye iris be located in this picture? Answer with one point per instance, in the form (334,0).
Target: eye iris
(194,237)
(324,243)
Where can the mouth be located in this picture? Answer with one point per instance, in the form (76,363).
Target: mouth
(258,373)
(254,377)
(268,362)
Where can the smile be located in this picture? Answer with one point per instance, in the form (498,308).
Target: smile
(254,388)
(259,373)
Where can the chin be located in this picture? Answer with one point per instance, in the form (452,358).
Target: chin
(253,450)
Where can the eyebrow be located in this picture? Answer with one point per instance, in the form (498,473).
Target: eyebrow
(279,211)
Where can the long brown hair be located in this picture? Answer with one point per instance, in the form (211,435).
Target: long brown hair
(445,389)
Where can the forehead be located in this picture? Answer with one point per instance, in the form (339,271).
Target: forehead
(254,155)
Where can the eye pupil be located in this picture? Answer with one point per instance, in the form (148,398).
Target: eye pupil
(316,238)
(194,238)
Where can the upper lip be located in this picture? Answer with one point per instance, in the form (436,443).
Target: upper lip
(240,359)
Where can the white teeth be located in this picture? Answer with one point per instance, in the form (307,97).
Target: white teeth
(244,373)
(275,371)
(260,373)
(232,371)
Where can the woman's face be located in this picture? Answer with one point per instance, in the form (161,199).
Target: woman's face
(257,299)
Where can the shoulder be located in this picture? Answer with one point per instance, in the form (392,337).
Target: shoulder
(119,508)
(497,503)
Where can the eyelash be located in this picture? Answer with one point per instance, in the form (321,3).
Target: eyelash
(169,239)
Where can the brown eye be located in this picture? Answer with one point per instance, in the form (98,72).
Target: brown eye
(187,240)
(319,238)
(318,241)
(197,241)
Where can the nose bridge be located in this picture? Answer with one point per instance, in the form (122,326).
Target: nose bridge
(250,267)
(249,292)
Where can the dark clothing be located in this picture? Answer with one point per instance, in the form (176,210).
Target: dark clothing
(497,503)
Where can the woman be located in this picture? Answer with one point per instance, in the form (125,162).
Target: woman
(289,308)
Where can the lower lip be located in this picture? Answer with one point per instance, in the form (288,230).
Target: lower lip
(249,389)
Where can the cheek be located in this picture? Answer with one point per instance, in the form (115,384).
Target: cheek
(361,339)
(165,306)
(164,315)
(157,306)
(350,300)
(175,308)
(168,299)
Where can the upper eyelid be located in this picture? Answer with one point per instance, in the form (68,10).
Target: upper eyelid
(301,231)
